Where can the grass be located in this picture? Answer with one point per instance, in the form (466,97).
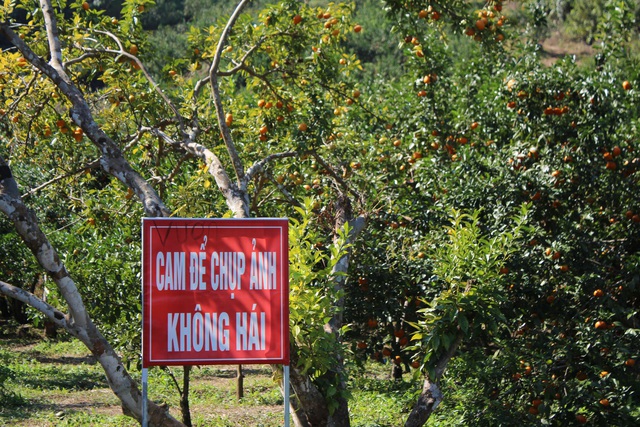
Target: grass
(58,383)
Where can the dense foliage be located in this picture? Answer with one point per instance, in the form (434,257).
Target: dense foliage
(503,222)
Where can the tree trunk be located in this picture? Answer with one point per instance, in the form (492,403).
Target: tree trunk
(308,406)
(77,322)
(184,397)
(431,396)
(239,383)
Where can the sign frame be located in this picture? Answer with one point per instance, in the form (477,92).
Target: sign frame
(165,237)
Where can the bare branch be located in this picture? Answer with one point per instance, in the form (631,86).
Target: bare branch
(335,176)
(91,165)
(55,50)
(259,166)
(237,200)
(215,89)
(240,65)
(31,300)
(177,167)
(153,84)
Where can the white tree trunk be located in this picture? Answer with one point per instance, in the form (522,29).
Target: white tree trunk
(77,322)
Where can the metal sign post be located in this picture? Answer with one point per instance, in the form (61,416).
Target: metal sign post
(145,387)
(286,395)
(215,291)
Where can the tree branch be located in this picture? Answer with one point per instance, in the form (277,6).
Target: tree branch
(78,322)
(215,89)
(91,165)
(31,300)
(235,198)
(112,160)
(55,50)
(259,165)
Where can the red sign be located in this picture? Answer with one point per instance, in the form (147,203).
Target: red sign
(215,291)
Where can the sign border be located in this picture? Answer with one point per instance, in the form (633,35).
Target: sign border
(149,223)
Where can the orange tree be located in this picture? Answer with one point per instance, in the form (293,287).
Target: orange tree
(242,125)
(262,112)
(545,331)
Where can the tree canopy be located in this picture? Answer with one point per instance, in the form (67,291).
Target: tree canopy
(460,209)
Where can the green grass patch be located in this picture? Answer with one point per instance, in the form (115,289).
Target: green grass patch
(59,383)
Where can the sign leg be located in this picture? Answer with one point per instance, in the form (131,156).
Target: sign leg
(145,386)
(286,394)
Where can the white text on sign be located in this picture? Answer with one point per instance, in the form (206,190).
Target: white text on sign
(224,270)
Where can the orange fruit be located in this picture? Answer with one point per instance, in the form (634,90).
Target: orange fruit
(481,24)
(297,19)
(302,127)
(604,402)
(133,49)
(601,324)
(630,362)
(598,293)
(85,6)
(626,85)
(581,419)
(616,151)
(357,28)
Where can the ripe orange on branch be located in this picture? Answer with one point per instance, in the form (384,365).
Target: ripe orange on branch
(601,324)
